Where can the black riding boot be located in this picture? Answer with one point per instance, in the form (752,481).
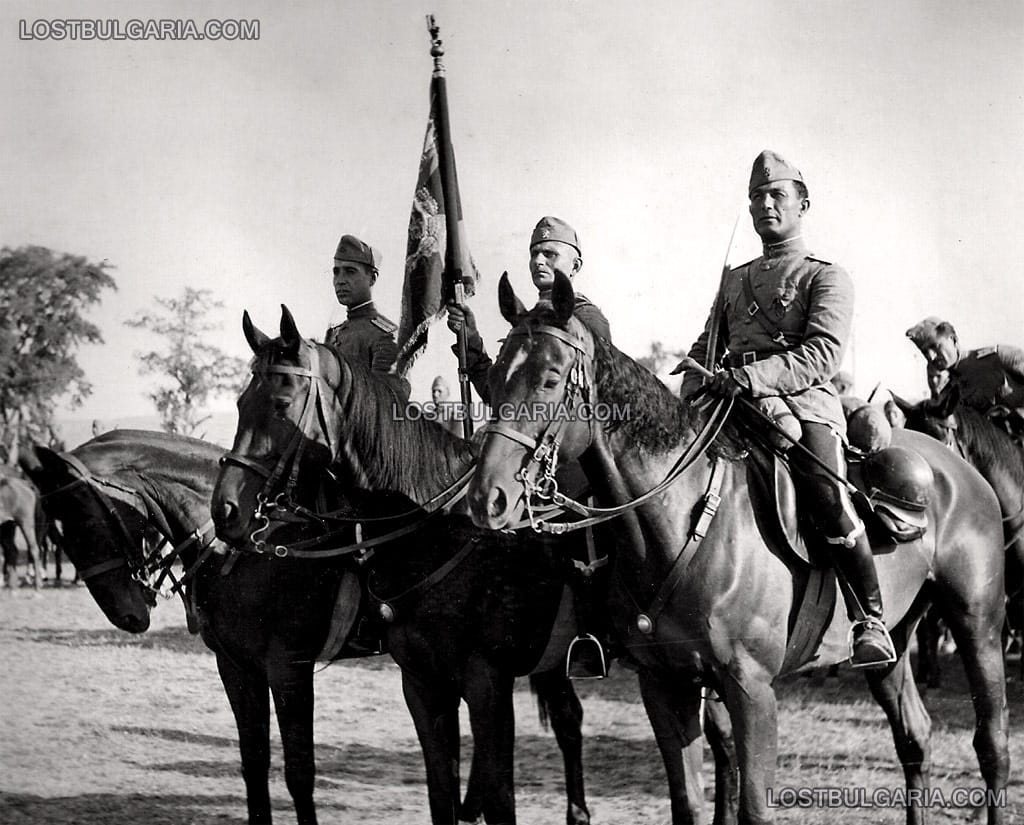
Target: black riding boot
(858,580)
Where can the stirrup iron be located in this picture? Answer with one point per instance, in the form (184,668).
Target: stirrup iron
(871,622)
(585,658)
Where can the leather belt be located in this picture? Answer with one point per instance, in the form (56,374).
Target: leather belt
(742,359)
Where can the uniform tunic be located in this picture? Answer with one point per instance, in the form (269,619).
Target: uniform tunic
(991,376)
(368,338)
(810,301)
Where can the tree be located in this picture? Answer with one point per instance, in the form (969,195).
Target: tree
(659,358)
(197,370)
(43,298)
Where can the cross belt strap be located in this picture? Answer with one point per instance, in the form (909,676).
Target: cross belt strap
(755,311)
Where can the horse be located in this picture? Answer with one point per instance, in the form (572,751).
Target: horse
(1000,460)
(20,510)
(264,618)
(701,595)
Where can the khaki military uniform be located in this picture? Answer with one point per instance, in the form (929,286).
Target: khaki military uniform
(810,302)
(367,338)
(990,376)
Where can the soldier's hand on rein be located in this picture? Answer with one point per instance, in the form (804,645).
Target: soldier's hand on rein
(724,385)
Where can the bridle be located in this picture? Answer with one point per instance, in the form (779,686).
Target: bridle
(541,496)
(275,506)
(151,570)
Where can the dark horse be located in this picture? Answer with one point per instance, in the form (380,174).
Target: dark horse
(20,510)
(265,618)
(467,610)
(1000,460)
(718,611)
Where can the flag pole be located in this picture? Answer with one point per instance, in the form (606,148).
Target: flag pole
(449,185)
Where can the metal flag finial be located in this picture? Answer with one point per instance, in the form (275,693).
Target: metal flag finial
(436,44)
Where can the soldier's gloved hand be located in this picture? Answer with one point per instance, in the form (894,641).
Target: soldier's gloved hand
(724,385)
(459,315)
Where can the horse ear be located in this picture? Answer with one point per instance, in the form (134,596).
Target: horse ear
(563,298)
(902,403)
(29,461)
(41,463)
(256,339)
(512,309)
(289,331)
(947,403)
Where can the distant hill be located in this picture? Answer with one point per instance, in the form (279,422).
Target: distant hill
(219,429)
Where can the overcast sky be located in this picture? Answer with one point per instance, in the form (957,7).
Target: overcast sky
(236,166)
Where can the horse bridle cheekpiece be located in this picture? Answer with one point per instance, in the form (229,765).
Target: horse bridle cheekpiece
(537,475)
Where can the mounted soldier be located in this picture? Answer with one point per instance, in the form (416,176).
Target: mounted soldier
(784,322)
(366,337)
(989,379)
(554,248)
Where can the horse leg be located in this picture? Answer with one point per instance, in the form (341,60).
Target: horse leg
(752,707)
(558,702)
(7,531)
(488,692)
(977,635)
(34,554)
(718,731)
(291,684)
(247,692)
(928,636)
(674,714)
(896,692)
(433,702)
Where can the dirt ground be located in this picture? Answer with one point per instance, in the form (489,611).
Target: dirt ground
(102,728)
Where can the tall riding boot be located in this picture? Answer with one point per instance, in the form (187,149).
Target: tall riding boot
(872,645)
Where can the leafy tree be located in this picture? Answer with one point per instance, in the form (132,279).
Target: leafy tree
(197,370)
(43,298)
(659,358)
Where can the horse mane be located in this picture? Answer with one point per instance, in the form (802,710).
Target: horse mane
(409,454)
(149,453)
(987,445)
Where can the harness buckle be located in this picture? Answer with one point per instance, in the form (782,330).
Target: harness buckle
(711,502)
(753,309)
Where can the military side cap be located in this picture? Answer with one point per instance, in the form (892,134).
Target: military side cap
(769,168)
(555,229)
(925,332)
(350,248)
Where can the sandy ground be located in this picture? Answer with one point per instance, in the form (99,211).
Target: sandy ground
(104,728)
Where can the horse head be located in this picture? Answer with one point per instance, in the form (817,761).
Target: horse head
(935,418)
(542,391)
(103,534)
(283,442)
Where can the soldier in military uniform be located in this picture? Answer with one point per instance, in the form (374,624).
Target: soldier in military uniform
(990,379)
(784,321)
(554,248)
(366,337)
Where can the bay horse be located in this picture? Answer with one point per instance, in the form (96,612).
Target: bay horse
(1000,460)
(700,595)
(20,511)
(264,618)
(466,611)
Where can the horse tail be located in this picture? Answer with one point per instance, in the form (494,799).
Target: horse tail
(543,710)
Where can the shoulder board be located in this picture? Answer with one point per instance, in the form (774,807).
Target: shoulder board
(383,323)
(984,351)
(744,265)
(817,259)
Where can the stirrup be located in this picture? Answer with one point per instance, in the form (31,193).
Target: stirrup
(877,624)
(585,658)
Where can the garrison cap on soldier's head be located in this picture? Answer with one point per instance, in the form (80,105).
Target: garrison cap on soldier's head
(350,248)
(555,229)
(770,167)
(925,332)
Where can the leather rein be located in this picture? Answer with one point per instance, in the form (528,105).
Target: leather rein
(276,508)
(151,569)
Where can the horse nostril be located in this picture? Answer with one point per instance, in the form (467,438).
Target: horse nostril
(227,512)
(497,502)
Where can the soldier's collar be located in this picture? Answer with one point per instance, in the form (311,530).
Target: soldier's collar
(774,250)
(365,305)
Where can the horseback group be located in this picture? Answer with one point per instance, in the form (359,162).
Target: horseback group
(668,539)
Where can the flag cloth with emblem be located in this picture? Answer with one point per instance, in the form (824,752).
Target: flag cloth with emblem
(426,290)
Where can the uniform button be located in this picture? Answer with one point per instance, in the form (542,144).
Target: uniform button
(746,321)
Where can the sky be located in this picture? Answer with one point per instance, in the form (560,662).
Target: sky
(235,166)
